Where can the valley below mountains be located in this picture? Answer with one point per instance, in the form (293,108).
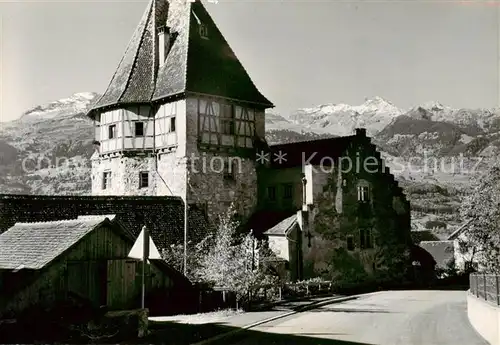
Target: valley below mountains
(433,150)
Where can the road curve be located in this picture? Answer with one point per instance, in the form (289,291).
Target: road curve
(385,318)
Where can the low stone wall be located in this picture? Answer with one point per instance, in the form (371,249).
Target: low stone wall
(129,323)
(485,318)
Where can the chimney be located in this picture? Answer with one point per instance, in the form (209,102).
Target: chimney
(361,132)
(163,43)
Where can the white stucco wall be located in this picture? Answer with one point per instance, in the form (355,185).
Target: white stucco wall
(279,245)
(485,318)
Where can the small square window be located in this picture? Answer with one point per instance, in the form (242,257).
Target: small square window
(112,131)
(172,124)
(271,193)
(363,193)
(143,179)
(288,191)
(350,243)
(139,129)
(106,180)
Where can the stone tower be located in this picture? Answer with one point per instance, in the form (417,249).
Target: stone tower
(181,116)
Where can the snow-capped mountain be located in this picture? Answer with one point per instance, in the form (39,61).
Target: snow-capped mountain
(77,103)
(341,119)
(485,120)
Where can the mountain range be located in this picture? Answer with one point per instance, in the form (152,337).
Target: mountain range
(433,149)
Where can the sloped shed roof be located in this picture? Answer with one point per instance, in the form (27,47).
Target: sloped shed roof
(34,245)
(282,228)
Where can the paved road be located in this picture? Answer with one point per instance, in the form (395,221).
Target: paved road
(385,318)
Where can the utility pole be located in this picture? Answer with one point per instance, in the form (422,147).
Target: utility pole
(498,52)
(185,234)
(145,256)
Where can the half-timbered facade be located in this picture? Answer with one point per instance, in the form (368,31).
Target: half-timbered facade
(180,116)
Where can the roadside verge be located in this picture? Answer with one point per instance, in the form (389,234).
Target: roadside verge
(300,309)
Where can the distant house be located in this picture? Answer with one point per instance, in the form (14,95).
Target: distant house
(452,252)
(466,258)
(45,262)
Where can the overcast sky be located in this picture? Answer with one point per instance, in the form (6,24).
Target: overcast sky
(299,53)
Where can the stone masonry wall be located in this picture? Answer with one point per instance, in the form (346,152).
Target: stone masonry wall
(125,174)
(328,255)
(172,172)
(207,186)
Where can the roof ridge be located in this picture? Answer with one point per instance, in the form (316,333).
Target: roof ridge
(97,216)
(314,140)
(73,220)
(460,229)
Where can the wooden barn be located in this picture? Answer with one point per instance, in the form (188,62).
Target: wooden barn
(45,262)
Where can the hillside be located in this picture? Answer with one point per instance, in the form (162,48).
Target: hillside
(432,149)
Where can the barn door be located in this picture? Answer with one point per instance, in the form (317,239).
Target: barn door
(85,279)
(121,286)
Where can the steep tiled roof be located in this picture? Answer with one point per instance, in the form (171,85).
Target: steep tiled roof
(34,245)
(213,67)
(442,251)
(194,64)
(283,227)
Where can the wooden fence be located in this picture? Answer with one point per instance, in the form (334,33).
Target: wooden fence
(485,287)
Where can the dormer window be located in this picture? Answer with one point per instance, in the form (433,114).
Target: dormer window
(203,31)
